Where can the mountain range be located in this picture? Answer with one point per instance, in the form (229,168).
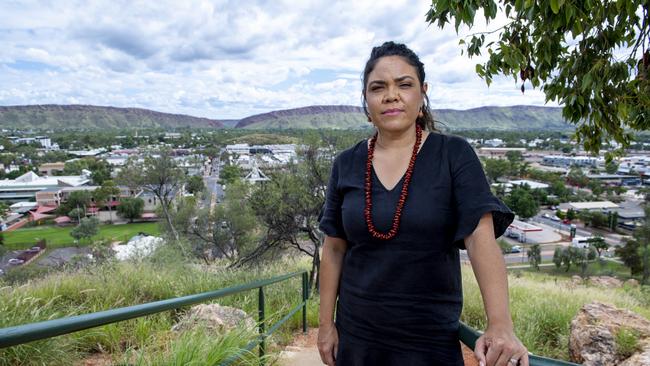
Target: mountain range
(42,117)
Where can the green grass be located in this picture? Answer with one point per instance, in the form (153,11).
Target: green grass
(58,237)
(595,268)
(543,306)
(147,340)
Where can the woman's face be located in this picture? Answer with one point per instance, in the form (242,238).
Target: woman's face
(394,94)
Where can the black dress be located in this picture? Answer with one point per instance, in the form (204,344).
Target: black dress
(400,300)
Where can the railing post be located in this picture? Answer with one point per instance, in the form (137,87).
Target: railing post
(260,310)
(304,299)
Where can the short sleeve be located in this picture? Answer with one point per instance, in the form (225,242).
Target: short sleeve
(472,195)
(331,222)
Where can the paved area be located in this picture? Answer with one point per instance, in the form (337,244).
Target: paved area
(303,352)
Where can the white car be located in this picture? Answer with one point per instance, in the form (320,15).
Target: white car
(16,261)
(555,218)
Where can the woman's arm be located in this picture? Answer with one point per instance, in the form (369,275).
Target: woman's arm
(330,273)
(498,345)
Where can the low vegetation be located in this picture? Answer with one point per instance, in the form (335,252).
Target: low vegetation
(543,306)
(58,237)
(147,340)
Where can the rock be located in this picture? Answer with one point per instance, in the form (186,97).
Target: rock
(214,317)
(639,359)
(576,280)
(632,283)
(593,334)
(605,281)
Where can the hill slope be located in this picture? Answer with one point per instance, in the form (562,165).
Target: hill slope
(344,117)
(94,117)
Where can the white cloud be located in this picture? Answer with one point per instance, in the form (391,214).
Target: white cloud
(224,59)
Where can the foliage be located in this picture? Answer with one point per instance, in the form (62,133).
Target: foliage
(229,230)
(534,254)
(611,167)
(195,184)
(571,49)
(76,214)
(577,177)
(289,207)
(557,257)
(229,174)
(130,208)
(4,208)
(522,202)
(88,227)
(158,174)
(496,168)
(627,342)
(183,213)
(629,254)
(599,244)
(105,194)
(76,199)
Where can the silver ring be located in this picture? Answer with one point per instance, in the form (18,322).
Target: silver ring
(514,361)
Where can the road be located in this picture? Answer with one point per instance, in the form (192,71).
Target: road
(211,180)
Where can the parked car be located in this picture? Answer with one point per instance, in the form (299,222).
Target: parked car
(546,216)
(566,221)
(555,218)
(516,249)
(16,261)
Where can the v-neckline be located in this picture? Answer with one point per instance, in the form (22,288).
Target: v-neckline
(383,186)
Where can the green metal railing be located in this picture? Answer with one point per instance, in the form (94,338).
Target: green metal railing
(469,335)
(13,336)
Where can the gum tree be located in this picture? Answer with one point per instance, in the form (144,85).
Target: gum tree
(592,57)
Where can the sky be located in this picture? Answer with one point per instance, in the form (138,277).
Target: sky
(228,59)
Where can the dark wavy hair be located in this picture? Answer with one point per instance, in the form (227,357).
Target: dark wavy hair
(398,49)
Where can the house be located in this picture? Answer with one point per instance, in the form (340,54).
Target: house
(25,187)
(51,168)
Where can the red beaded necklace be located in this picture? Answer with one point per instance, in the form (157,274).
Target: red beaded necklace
(400,204)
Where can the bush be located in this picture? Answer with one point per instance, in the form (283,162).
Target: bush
(627,342)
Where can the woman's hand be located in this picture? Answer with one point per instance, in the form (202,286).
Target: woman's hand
(499,346)
(328,344)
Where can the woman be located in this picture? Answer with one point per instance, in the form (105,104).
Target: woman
(399,207)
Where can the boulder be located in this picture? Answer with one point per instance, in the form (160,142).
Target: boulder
(576,281)
(632,283)
(214,317)
(593,335)
(605,281)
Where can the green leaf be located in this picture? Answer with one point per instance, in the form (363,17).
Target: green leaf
(555,6)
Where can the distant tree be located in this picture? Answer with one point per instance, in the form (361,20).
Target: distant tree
(104,195)
(642,238)
(76,199)
(183,213)
(195,184)
(100,171)
(598,219)
(596,188)
(130,208)
(74,167)
(289,206)
(230,173)
(629,254)
(76,214)
(3,250)
(577,177)
(557,257)
(571,49)
(4,209)
(496,168)
(88,227)
(571,214)
(230,229)
(534,256)
(158,174)
(522,202)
